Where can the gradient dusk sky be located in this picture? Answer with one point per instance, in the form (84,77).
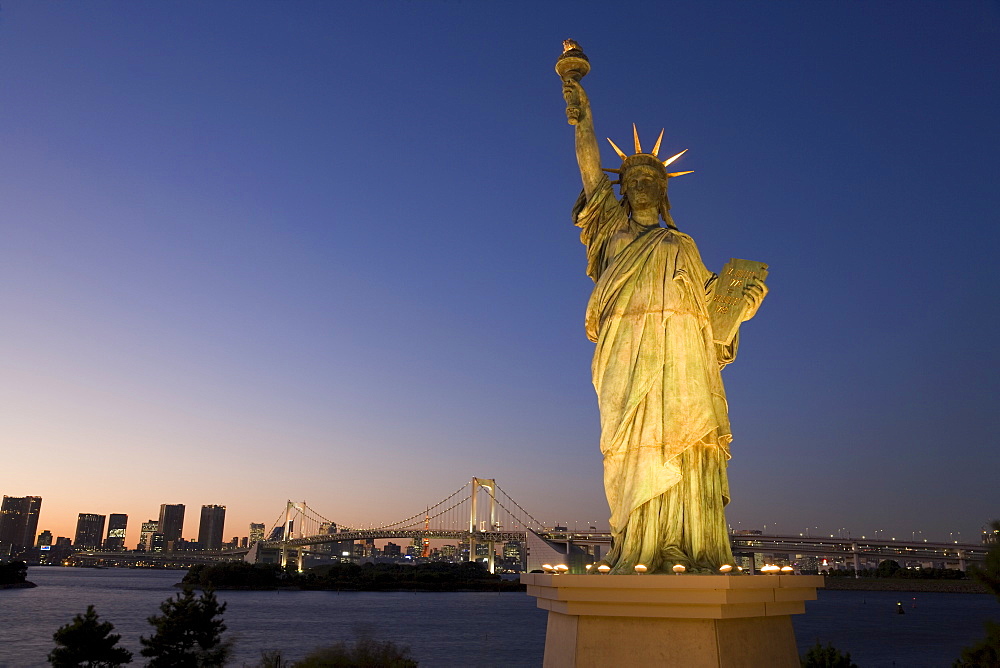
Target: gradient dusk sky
(258,251)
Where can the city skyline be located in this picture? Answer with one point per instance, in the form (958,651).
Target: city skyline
(197,532)
(323,252)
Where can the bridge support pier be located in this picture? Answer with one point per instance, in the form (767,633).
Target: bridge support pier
(697,621)
(490,486)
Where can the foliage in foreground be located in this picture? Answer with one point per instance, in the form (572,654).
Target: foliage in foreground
(989,572)
(364,652)
(188,633)
(88,643)
(819,656)
(13,572)
(986,652)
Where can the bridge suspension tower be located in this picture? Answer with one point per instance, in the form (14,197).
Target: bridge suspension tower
(488,484)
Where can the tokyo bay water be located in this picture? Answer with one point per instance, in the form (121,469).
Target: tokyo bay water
(452,629)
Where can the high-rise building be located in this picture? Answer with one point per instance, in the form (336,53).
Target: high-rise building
(61,549)
(171,521)
(115,540)
(149,527)
(44,538)
(156,542)
(89,531)
(210,529)
(18,523)
(256,532)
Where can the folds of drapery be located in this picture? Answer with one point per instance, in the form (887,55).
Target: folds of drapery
(656,366)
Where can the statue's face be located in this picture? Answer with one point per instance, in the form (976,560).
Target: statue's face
(644,187)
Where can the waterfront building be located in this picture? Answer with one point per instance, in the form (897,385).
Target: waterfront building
(171,521)
(115,539)
(18,523)
(149,527)
(89,531)
(59,550)
(325,528)
(213,518)
(512,556)
(157,542)
(256,533)
(44,538)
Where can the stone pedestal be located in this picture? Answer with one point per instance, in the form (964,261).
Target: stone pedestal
(694,621)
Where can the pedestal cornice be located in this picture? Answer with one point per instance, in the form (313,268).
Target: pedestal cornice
(673,596)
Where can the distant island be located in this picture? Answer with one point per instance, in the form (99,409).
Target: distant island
(14,575)
(440,576)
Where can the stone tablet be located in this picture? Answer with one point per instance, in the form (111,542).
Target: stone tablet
(727,307)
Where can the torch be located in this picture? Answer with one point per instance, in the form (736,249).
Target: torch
(572,64)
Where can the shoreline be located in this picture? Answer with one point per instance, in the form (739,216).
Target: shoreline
(18,585)
(432,590)
(903,584)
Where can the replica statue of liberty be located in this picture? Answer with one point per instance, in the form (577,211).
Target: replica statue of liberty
(654,315)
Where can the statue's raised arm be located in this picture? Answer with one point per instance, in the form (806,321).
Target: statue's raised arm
(571,67)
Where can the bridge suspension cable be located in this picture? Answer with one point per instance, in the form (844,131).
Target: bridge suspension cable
(536,524)
(280,522)
(402,523)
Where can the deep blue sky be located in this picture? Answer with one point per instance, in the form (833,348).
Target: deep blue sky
(321,250)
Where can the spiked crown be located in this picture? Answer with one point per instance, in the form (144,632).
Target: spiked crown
(650,159)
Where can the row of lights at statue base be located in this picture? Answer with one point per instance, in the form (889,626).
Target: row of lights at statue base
(678,569)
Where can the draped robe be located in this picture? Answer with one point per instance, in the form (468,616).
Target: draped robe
(664,424)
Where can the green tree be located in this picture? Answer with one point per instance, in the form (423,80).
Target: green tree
(826,657)
(88,643)
(188,633)
(986,652)
(989,572)
(888,569)
(13,572)
(364,652)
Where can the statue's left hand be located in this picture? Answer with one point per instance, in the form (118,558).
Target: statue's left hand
(754,294)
